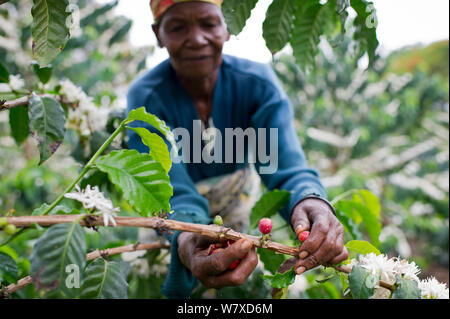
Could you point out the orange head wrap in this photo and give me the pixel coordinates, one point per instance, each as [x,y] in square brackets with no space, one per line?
[160,6]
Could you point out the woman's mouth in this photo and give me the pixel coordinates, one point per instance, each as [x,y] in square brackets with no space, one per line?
[200,58]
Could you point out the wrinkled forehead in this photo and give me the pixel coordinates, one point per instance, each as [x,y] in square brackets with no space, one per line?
[160,7]
[181,13]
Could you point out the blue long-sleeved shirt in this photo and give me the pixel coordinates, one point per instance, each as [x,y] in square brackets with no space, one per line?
[247,95]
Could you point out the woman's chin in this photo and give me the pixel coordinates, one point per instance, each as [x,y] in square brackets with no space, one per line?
[196,68]
[198,72]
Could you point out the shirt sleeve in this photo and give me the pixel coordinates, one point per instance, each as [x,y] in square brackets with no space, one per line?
[188,205]
[289,170]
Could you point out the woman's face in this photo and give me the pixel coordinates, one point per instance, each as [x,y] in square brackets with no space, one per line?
[194,34]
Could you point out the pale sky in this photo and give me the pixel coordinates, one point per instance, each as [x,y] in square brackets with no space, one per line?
[400,23]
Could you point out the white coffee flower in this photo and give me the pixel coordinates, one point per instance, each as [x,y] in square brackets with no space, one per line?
[388,269]
[161,267]
[92,198]
[433,289]
[85,117]
[141,267]
[108,216]
[379,265]
[130,256]
[16,82]
[300,285]
[407,270]
[72,92]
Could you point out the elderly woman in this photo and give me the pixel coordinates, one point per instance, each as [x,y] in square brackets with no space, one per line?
[200,85]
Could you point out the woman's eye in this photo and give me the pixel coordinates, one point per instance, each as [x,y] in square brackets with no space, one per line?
[176,28]
[209,25]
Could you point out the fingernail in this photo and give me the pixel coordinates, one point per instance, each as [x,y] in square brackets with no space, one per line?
[298,229]
[300,270]
[303,254]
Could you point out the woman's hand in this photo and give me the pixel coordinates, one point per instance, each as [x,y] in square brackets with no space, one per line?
[212,270]
[325,245]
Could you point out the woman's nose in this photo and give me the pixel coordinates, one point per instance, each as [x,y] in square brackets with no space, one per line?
[196,37]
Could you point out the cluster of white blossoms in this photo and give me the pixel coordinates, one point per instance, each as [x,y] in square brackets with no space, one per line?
[15,83]
[142,267]
[138,261]
[92,198]
[433,289]
[85,117]
[389,268]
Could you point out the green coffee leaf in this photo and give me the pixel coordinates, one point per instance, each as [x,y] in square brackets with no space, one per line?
[8,269]
[9,251]
[406,289]
[61,247]
[19,123]
[269,204]
[371,201]
[281,280]
[278,25]
[157,146]
[361,247]
[270,259]
[49,30]
[57,210]
[47,120]
[371,221]
[121,33]
[365,28]
[362,283]
[94,178]
[348,223]
[341,10]
[104,280]
[141,115]
[325,279]
[44,74]
[344,281]
[143,181]
[359,212]
[4,74]
[236,13]
[310,23]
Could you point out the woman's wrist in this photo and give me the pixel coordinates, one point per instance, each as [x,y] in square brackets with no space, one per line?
[307,199]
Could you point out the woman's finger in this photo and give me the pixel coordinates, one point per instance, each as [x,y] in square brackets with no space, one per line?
[340,258]
[217,263]
[338,244]
[318,257]
[237,276]
[319,232]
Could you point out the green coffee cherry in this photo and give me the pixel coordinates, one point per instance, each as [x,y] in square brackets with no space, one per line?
[10,229]
[3,222]
[218,220]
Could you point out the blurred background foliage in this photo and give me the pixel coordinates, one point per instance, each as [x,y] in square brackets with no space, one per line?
[384,129]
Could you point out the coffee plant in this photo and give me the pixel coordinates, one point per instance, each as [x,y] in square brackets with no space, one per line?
[68,247]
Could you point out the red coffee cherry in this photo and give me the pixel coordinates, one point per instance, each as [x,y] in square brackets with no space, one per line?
[234,264]
[215,248]
[265,225]
[303,235]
